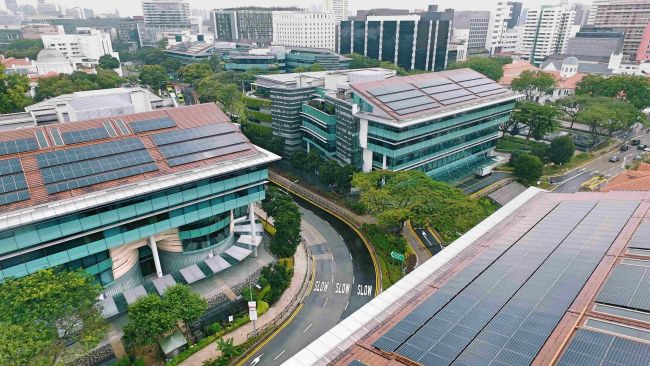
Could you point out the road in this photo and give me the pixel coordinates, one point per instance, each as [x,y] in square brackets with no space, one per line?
[429,240]
[572,181]
[475,184]
[344,281]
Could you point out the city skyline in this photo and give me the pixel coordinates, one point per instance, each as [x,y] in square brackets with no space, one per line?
[130,8]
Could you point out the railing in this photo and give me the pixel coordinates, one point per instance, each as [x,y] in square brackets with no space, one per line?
[318,114]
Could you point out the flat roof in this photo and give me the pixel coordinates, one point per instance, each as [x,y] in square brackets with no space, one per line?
[51,170]
[50,103]
[190,48]
[289,79]
[549,279]
[430,94]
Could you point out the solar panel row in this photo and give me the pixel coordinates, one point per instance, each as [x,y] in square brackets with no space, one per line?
[91,134]
[152,124]
[186,134]
[628,286]
[590,347]
[18,146]
[476,82]
[640,238]
[88,152]
[100,178]
[400,96]
[13,186]
[95,166]
[390,89]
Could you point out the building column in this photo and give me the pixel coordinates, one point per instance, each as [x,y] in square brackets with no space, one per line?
[154,252]
[232,222]
[383,162]
[251,219]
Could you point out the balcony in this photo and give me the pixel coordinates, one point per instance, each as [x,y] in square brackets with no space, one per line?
[325,115]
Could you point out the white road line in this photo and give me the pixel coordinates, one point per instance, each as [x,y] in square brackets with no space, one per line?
[346,305]
[350,255]
[306,329]
[352,279]
[332,279]
[341,237]
[278,356]
[327,298]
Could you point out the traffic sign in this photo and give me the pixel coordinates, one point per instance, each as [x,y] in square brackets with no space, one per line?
[252,310]
[397,256]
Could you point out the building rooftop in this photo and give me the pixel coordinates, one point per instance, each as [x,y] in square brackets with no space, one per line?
[290,80]
[191,48]
[548,279]
[631,180]
[430,94]
[93,97]
[47,171]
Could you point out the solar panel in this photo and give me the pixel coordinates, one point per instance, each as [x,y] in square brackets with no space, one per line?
[417,109]
[91,134]
[409,103]
[192,146]
[628,286]
[484,88]
[390,89]
[590,347]
[42,140]
[431,82]
[400,96]
[192,133]
[152,124]
[87,165]
[492,92]
[640,238]
[13,186]
[441,89]
[476,82]
[207,154]
[18,146]
[465,76]
[56,137]
[451,94]
[109,127]
[122,127]
[458,100]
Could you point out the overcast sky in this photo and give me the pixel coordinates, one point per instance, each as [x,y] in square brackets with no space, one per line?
[134,7]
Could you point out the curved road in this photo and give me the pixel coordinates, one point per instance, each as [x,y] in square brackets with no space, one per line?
[344,281]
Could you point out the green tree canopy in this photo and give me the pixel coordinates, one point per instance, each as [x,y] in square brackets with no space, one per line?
[108,62]
[49,317]
[227,95]
[286,218]
[634,89]
[78,81]
[262,136]
[171,65]
[153,75]
[540,119]
[359,62]
[13,92]
[314,67]
[186,305]
[24,48]
[528,168]
[533,84]
[562,149]
[489,66]
[573,105]
[193,73]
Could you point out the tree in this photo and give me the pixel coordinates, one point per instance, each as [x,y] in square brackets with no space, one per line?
[358,61]
[312,161]
[314,67]
[49,317]
[540,119]
[528,167]
[216,63]
[343,178]
[78,81]
[572,106]
[490,67]
[286,218]
[148,320]
[262,136]
[562,150]
[153,75]
[533,84]
[193,73]
[327,171]
[171,65]
[228,350]
[595,115]
[24,48]
[185,305]
[278,278]
[13,90]
[106,79]
[109,62]
[634,89]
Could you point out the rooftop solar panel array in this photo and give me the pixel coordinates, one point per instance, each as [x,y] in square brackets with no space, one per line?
[194,144]
[84,166]
[451,89]
[18,146]
[91,134]
[152,124]
[13,186]
[628,286]
[641,238]
[588,348]
[502,307]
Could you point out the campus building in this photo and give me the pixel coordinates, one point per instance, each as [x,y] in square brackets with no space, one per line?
[283,59]
[141,201]
[630,16]
[445,124]
[547,31]
[190,52]
[304,29]
[246,24]
[548,279]
[412,41]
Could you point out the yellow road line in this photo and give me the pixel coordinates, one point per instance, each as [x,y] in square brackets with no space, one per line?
[410,228]
[313,276]
[363,238]
[259,346]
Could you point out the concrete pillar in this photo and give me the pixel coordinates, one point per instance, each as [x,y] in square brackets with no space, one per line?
[251,218]
[383,162]
[154,252]
[232,222]
[308,147]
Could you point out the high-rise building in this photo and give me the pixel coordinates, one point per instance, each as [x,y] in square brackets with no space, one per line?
[503,16]
[164,16]
[129,30]
[477,23]
[630,16]
[80,13]
[304,29]
[48,9]
[595,42]
[582,13]
[594,9]
[337,7]
[413,41]
[547,31]
[644,46]
[249,24]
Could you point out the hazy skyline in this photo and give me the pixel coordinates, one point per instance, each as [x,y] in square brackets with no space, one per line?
[134,7]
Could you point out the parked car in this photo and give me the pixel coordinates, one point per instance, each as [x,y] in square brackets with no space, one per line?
[635,142]
[638,157]
[614,158]
[625,147]
[641,146]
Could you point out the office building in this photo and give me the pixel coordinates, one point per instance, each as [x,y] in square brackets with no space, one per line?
[83,50]
[337,7]
[630,16]
[284,59]
[129,30]
[476,22]
[190,52]
[582,13]
[548,279]
[52,62]
[48,9]
[594,10]
[412,41]
[458,45]
[80,13]
[8,34]
[249,24]
[504,15]
[444,124]
[595,42]
[163,16]
[644,46]
[304,29]
[35,31]
[149,199]
[547,31]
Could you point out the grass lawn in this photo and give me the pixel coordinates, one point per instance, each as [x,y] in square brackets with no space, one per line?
[576,161]
[511,143]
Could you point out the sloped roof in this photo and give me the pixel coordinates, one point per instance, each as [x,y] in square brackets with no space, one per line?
[631,180]
[514,69]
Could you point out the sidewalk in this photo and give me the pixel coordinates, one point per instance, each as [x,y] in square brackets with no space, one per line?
[275,313]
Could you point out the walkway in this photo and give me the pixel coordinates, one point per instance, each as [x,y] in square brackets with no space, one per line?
[275,315]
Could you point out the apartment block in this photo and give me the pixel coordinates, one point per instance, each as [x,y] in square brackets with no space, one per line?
[304,29]
[547,31]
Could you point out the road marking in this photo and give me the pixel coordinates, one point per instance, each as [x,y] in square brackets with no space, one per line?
[341,237]
[346,305]
[350,255]
[332,281]
[257,360]
[309,326]
[278,356]
[327,298]
[352,279]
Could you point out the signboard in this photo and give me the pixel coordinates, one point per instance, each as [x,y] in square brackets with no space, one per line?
[252,310]
[230,318]
[397,256]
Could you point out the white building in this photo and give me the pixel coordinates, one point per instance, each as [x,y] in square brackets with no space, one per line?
[53,61]
[594,9]
[511,40]
[459,42]
[164,16]
[500,18]
[547,31]
[82,50]
[337,7]
[304,29]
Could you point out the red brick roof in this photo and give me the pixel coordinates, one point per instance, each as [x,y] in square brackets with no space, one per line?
[10,61]
[631,180]
[185,117]
[513,70]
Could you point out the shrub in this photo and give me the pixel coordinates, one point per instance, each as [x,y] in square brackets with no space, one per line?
[262,307]
[213,328]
